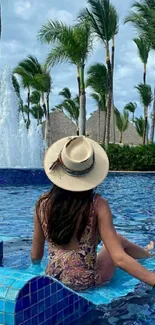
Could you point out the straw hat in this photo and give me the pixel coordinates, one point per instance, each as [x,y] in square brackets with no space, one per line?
[76,164]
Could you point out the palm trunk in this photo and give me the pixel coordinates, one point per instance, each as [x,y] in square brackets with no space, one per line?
[112,104]
[43,104]
[104,127]
[99,119]
[121,137]
[38,117]
[78,79]
[144,76]
[82,115]
[47,124]
[153,121]
[108,62]
[145,125]
[28,107]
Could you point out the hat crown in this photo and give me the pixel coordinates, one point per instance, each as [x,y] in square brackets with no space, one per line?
[78,154]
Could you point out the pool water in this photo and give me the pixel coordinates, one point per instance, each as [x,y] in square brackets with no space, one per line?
[132,201]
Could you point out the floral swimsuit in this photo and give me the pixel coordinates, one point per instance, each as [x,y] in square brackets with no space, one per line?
[76,268]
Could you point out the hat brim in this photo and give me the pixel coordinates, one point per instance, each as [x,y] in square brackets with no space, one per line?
[62,179]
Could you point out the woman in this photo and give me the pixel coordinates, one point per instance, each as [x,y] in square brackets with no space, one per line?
[73,220]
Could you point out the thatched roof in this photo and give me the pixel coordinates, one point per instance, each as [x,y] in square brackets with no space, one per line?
[130,135]
[62,126]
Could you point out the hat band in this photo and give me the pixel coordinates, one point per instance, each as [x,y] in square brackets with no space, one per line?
[69,171]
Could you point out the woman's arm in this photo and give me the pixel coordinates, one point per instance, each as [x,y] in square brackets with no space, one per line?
[113,245]
[38,243]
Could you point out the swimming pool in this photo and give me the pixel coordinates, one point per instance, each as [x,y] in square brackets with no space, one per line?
[131,197]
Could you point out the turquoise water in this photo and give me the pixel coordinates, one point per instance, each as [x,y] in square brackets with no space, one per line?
[132,200]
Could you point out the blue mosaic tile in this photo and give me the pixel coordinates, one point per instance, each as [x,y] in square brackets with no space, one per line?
[60,316]
[9,307]
[26,302]
[3,291]
[27,277]
[33,310]
[53,288]
[17,275]
[2,305]
[40,306]
[12,294]
[54,309]
[33,285]
[47,291]
[19,317]
[40,283]
[8,319]
[1,318]
[54,319]
[6,281]
[28,322]
[18,284]
[27,314]
[47,301]
[48,312]
[66,311]
[47,281]
[19,305]
[34,298]
[41,294]
[41,317]
[34,320]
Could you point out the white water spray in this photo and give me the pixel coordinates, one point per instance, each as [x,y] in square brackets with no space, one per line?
[19,148]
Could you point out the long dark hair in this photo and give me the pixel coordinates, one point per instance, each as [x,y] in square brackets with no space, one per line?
[62,209]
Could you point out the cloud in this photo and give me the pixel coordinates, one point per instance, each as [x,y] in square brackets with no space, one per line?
[62,15]
[23,18]
[23,9]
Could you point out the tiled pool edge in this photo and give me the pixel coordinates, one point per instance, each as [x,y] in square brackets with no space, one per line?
[38,300]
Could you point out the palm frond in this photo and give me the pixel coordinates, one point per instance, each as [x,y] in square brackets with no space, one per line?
[145,93]
[131,107]
[35,97]
[98,78]
[140,126]
[103,18]
[122,120]
[143,49]
[66,93]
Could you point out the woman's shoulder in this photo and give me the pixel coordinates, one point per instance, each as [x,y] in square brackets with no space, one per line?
[100,202]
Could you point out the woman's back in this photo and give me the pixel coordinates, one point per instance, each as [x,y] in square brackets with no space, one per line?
[73,263]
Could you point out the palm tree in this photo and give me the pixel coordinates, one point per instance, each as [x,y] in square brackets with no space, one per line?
[131,107]
[35,76]
[101,107]
[17,91]
[70,106]
[146,98]
[122,122]
[143,50]
[140,125]
[103,19]
[142,16]
[153,121]
[71,44]
[98,81]
[36,110]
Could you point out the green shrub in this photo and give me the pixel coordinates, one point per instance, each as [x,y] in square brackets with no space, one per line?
[138,158]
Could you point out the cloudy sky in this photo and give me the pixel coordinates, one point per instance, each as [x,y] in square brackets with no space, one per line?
[21,20]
